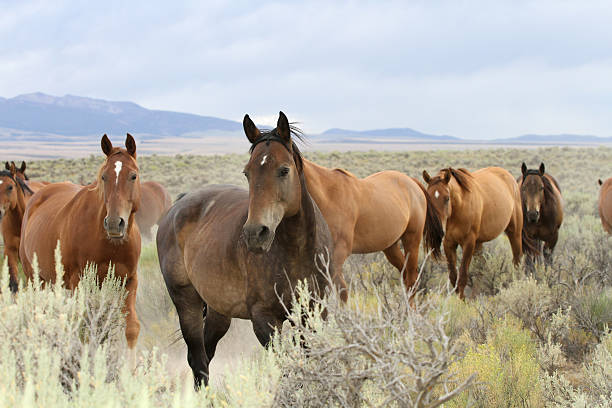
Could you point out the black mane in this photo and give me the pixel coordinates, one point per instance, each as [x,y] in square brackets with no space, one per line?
[268,136]
[24,187]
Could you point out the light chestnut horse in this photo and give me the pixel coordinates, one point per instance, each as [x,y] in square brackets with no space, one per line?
[94,224]
[605,204]
[238,253]
[14,193]
[542,205]
[374,214]
[475,208]
[154,202]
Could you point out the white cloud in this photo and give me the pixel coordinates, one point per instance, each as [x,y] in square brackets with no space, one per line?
[472,69]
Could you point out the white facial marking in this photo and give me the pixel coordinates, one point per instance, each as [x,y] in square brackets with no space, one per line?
[1,181]
[118,165]
[436,194]
[263,161]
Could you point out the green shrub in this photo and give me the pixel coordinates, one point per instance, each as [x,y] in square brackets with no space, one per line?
[507,368]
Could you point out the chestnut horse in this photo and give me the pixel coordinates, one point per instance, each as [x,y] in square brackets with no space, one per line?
[34,185]
[375,214]
[475,208]
[542,206]
[14,194]
[605,204]
[235,252]
[154,202]
[94,224]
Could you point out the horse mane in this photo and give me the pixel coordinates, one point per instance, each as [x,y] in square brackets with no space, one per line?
[296,133]
[22,185]
[463,177]
[345,172]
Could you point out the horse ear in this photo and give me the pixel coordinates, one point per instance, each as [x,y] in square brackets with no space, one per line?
[282,127]
[523,168]
[426,176]
[130,145]
[447,175]
[106,144]
[23,167]
[250,130]
[7,166]
[600,182]
[542,169]
[13,169]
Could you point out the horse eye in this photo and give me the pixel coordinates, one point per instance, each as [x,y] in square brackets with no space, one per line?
[283,171]
[10,188]
[446,199]
[103,177]
[133,177]
[245,174]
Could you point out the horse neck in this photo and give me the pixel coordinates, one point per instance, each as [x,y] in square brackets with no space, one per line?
[298,232]
[458,195]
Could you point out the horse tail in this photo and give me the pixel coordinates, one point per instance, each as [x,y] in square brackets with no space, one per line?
[181,195]
[433,233]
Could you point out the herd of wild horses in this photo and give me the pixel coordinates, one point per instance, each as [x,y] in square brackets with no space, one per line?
[236,253]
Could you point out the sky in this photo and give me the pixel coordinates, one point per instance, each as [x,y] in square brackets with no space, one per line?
[472,69]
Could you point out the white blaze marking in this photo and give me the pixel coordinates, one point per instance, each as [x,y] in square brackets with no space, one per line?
[118,165]
[0,181]
[263,161]
[436,194]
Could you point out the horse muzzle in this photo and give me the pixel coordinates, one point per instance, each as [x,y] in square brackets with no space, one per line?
[115,227]
[533,216]
[258,237]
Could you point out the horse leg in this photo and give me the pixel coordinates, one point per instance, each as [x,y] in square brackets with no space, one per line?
[12,255]
[215,327]
[468,251]
[264,324]
[514,232]
[394,256]
[411,242]
[341,251]
[189,306]
[450,250]
[132,326]
[549,247]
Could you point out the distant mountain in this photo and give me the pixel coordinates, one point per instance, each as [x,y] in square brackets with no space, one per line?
[561,138]
[375,135]
[74,115]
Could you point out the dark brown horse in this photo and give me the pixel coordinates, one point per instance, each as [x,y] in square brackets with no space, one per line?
[154,202]
[94,224]
[605,204]
[542,206]
[235,252]
[378,213]
[475,208]
[20,174]
[14,194]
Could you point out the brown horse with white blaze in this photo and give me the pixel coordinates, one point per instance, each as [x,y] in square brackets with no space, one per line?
[542,205]
[235,252]
[94,224]
[377,213]
[475,208]
[14,193]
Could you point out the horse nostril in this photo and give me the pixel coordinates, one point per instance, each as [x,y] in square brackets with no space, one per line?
[121,222]
[106,222]
[263,231]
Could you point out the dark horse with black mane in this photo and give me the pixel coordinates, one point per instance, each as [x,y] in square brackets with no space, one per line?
[542,212]
[237,253]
